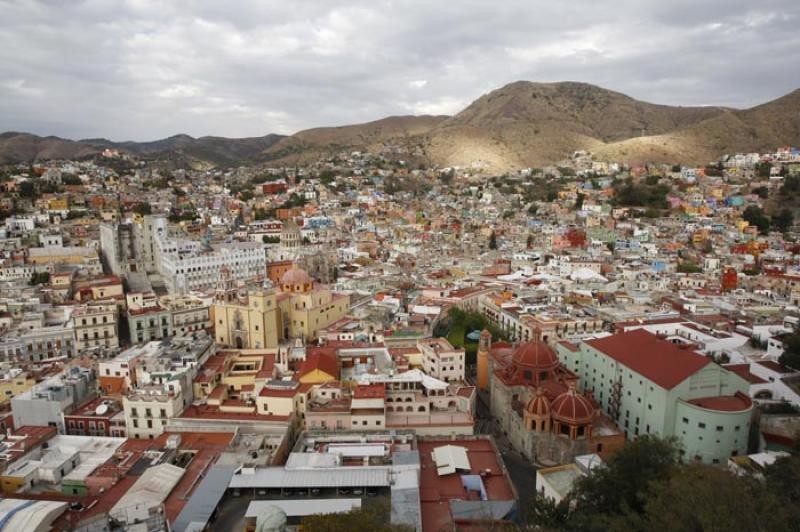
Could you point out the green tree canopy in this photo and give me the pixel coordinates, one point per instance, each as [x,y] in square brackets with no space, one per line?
[142,208]
[755,216]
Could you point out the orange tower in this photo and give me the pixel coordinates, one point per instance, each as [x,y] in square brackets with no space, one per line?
[483,359]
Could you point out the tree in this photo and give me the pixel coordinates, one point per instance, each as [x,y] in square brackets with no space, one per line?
[700,497]
[374,518]
[763,169]
[142,208]
[40,278]
[644,488]
[762,192]
[688,266]
[791,352]
[630,194]
[579,201]
[27,189]
[783,220]
[544,512]
[791,187]
[71,179]
[755,216]
[613,491]
[326,177]
[783,479]
[493,240]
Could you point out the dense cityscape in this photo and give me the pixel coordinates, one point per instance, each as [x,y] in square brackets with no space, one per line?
[399,266]
[431,347]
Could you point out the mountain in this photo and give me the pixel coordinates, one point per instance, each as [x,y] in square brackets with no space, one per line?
[760,128]
[209,151]
[23,147]
[532,124]
[522,124]
[216,151]
[527,124]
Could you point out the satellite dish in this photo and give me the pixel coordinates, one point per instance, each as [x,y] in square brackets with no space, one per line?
[101,409]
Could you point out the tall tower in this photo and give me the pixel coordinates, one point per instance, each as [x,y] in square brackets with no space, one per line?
[483,359]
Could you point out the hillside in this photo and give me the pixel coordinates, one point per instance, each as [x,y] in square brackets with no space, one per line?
[23,147]
[216,151]
[526,124]
[761,128]
[210,151]
[522,124]
[533,124]
[311,144]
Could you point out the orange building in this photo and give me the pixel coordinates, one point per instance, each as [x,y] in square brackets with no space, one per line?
[483,360]
[276,269]
[730,279]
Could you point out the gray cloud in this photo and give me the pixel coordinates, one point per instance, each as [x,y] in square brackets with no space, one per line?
[140,69]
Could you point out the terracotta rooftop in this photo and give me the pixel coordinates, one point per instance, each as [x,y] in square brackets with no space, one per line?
[213,412]
[320,360]
[658,360]
[369,391]
[743,370]
[774,366]
[724,403]
[436,491]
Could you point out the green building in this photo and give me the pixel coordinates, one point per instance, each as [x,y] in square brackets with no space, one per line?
[649,385]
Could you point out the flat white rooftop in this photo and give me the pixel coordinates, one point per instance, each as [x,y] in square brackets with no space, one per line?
[301,508]
[339,477]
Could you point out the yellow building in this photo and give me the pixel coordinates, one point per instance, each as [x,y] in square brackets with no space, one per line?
[246,318]
[307,308]
[13,385]
[58,204]
[258,318]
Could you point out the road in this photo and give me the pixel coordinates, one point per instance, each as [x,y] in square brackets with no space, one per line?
[521,470]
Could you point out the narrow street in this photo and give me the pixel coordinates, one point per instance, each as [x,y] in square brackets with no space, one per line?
[521,470]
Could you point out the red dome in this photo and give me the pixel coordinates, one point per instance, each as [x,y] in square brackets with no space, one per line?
[295,276]
[535,355]
[572,408]
[539,405]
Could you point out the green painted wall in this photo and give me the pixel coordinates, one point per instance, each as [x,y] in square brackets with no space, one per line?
[647,408]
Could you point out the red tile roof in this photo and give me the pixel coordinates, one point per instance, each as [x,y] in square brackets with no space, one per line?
[774,366]
[743,370]
[369,391]
[658,360]
[436,491]
[724,403]
[322,361]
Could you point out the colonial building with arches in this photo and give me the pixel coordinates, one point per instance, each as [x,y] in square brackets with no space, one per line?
[535,399]
[261,316]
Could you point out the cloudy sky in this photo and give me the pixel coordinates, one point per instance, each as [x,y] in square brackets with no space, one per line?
[140,69]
